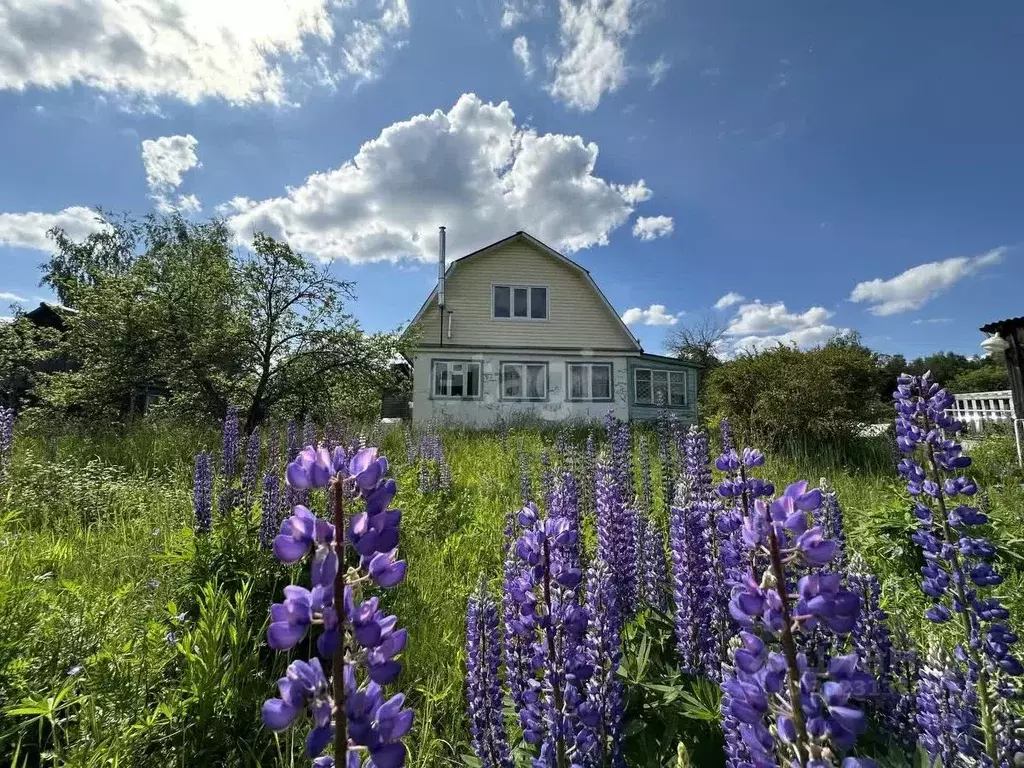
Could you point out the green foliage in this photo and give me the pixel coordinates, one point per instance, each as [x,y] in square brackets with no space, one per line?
[24,347]
[168,304]
[785,394]
[98,563]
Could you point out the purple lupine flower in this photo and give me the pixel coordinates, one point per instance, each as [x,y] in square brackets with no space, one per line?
[946,716]
[309,432]
[900,718]
[357,636]
[7,419]
[665,459]
[483,682]
[616,539]
[270,509]
[620,443]
[565,503]
[958,568]
[813,713]
[830,518]
[251,466]
[292,447]
[653,574]
[646,492]
[229,444]
[728,446]
[552,623]
[871,637]
[599,742]
[516,648]
[202,492]
[588,478]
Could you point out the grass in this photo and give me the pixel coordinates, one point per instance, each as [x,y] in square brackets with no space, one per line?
[127,641]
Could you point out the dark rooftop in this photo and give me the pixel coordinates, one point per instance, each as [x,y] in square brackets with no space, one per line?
[999,326]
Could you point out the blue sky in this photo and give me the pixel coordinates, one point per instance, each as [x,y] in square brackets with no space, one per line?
[804,166]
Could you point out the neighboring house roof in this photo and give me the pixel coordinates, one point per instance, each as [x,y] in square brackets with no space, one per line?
[1003,326]
[526,236]
[665,360]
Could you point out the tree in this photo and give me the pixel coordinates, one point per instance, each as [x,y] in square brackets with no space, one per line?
[988,376]
[24,349]
[77,266]
[699,343]
[261,329]
[783,393]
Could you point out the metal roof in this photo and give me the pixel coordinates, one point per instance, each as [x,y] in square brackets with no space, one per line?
[998,326]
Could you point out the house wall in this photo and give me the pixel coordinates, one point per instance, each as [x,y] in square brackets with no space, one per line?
[577,316]
[686,414]
[490,408]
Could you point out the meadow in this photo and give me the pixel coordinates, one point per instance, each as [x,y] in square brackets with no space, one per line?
[128,640]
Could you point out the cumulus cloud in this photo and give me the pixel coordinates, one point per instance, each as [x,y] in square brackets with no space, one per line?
[365,47]
[655,314]
[728,300]
[471,168]
[657,70]
[592,58]
[28,230]
[757,326]
[653,227]
[521,48]
[167,160]
[8,296]
[915,287]
[515,12]
[242,51]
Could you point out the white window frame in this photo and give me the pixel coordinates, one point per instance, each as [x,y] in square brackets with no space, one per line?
[448,363]
[522,366]
[529,302]
[589,379]
[668,374]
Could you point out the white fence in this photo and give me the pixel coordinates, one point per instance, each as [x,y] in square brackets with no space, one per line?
[976,409]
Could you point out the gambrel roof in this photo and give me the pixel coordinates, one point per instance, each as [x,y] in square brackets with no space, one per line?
[543,248]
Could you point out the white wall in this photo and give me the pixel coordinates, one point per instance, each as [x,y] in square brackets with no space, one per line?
[487,410]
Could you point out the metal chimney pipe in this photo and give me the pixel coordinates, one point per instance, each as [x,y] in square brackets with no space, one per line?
[440,267]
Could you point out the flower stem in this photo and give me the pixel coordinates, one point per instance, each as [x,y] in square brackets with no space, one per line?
[338,671]
[789,648]
[553,665]
[958,583]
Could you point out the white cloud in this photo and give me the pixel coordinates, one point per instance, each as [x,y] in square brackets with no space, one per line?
[184,204]
[916,286]
[592,61]
[657,70]
[515,12]
[521,48]
[728,300]
[7,296]
[471,168]
[364,48]
[653,315]
[242,51]
[28,230]
[756,318]
[167,159]
[933,320]
[757,326]
[653,227]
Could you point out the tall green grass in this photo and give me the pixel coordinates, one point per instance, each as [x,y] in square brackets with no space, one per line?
[126,641]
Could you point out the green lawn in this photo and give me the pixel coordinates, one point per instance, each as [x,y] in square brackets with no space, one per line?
[127,641]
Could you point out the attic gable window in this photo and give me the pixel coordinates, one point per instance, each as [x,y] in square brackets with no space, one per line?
[520,302]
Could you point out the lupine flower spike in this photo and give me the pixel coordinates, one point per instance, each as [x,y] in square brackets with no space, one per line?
[348,707]
[958,569]
[483,681]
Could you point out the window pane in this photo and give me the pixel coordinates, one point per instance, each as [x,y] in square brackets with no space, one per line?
[600,382]
[678,389]
[519,296]
[577,382]
[660,387]
[513,380]
[456,384]
[536,384]
[440,379]
[501,301]
[643,385]
[473,380]
[539,303]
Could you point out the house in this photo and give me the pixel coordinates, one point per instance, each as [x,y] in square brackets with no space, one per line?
[517,329]
[1005,343]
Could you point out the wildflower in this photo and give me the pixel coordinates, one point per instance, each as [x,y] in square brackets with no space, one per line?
[604,708]
[202,494]
[616,539]
[7,419]
[483,681]
[957,566]
[251,464]
[356,634]
[229,444]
